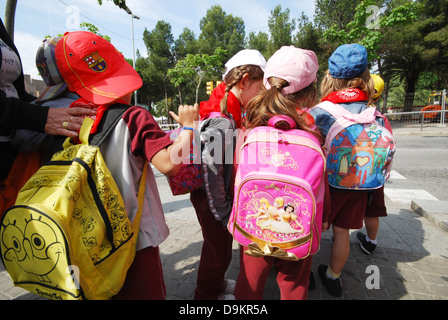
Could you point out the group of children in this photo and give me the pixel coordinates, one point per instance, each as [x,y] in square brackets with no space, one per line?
[287,86]
[95,73]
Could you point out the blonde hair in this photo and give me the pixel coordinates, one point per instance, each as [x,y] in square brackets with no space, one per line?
[234,76]
[279,201]
[272,102]
[363,82]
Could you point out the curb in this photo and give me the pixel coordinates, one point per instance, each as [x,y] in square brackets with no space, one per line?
[434,210]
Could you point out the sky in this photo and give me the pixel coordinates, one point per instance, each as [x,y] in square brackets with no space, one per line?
[35,20]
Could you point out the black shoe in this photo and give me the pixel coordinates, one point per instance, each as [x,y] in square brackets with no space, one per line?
[366,246]
[334,286]
[312,283]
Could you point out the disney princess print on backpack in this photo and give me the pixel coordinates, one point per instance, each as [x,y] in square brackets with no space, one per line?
[279,193]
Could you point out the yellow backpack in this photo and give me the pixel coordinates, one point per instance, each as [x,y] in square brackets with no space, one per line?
[68,236]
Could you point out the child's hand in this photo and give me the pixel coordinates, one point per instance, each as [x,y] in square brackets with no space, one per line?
[188,115]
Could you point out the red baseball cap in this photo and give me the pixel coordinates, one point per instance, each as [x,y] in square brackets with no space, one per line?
[92,67]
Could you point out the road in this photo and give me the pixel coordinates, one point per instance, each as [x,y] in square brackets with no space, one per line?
[420,163]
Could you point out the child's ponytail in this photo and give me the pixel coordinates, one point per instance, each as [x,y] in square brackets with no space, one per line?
[272,102]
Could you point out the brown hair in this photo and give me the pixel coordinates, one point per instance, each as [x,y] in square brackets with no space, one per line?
[234,76]
[363,82]
[272,102]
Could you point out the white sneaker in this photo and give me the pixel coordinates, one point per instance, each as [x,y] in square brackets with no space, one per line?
[229,286]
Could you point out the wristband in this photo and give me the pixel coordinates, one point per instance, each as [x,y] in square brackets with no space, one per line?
[188,128]
[194,133]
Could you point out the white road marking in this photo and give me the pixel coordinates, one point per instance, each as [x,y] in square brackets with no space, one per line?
[406,195]
[394,175]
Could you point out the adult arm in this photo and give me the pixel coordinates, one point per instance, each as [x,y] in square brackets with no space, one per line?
[17,114]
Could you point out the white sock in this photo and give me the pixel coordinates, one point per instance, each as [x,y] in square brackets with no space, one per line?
[370,240]
[331,275]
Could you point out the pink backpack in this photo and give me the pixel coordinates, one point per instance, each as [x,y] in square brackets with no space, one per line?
[190,175]
[279,192]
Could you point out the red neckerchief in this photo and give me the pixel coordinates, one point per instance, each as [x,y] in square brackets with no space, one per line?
[308,118]
[214,104]
[346,95]
[83,103]
[100,109]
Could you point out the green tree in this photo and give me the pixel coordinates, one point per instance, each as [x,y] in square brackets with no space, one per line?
[159,43]
[281,27]
[362,31]
[259,42]
[94,29]
[185,44]
[380,45]
[310,37]
[418,47]
[218,29]
[435,39]
[195,67]
[334,12]
[143,68]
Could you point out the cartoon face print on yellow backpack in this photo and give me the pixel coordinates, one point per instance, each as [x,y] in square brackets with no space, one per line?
[33,247]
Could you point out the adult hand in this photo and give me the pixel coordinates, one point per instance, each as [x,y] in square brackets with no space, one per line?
[66,121]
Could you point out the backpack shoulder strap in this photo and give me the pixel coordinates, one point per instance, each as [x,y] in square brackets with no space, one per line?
[110,118]
[214,114]
[339,112]
[336,110]
[140,198]
[217,114]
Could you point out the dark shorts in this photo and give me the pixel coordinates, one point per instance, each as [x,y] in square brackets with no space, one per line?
[347,208]
[376,206]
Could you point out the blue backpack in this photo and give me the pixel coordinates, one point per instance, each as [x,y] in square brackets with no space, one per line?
[359,151]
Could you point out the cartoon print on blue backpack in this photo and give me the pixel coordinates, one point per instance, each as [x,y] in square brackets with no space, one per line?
[358,157]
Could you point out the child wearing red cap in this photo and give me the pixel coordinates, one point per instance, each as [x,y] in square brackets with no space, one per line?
[98,72]
[289,78]
[213,202]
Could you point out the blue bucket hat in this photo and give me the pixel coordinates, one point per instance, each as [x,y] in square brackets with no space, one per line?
[348,61]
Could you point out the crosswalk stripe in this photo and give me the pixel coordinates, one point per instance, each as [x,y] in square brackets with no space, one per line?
[406,195]
[394,175]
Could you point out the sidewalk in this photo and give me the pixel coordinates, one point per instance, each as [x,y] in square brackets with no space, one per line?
[411,258]
[428,129]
